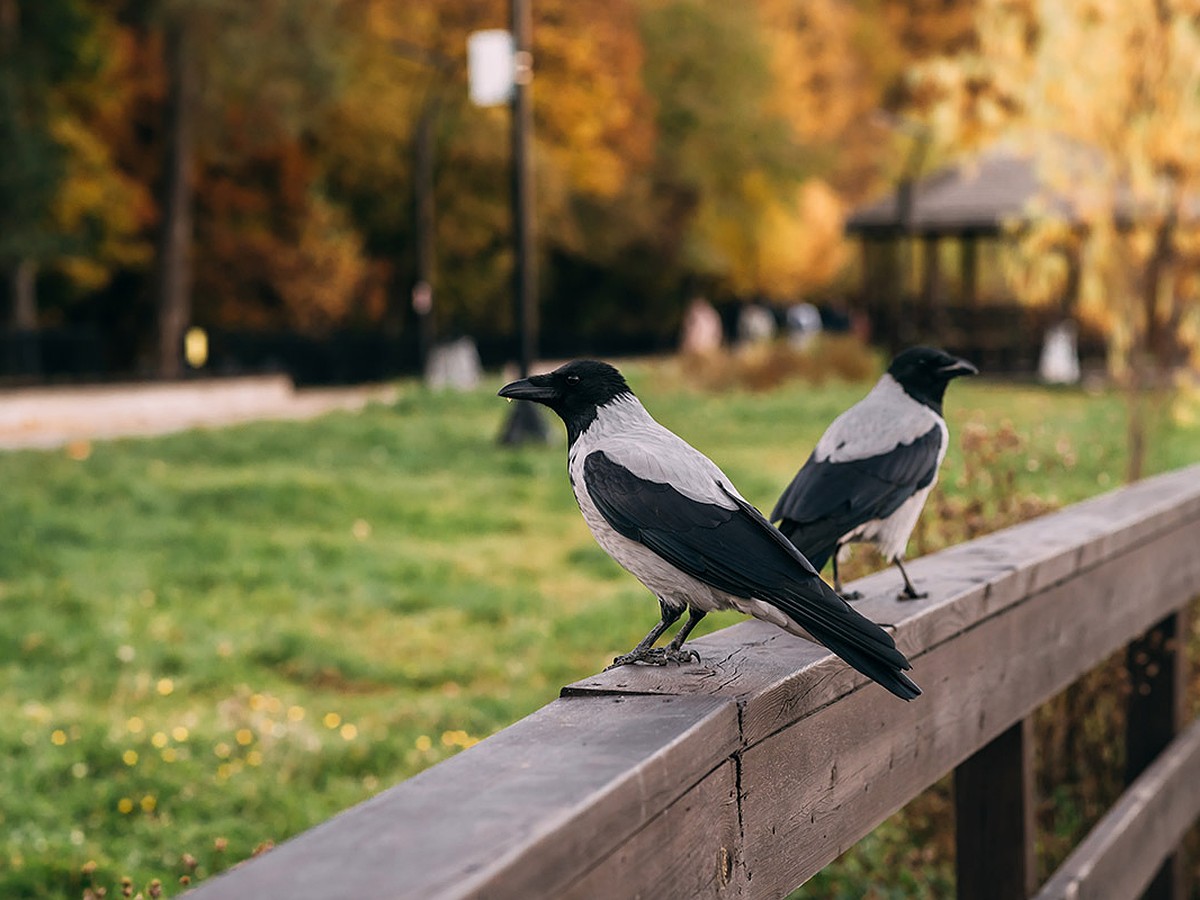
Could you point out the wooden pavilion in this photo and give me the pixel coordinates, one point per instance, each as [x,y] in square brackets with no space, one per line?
[932,256]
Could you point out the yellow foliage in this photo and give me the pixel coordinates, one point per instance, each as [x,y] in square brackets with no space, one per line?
[1106,95]
[803,247]
[319,276]
[96,197]
[593,113]
[798,243]
[818,85]
[102,213]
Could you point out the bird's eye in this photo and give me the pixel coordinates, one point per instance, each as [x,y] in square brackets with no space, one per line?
[572,379]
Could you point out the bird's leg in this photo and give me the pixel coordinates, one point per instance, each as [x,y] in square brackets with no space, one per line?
[909,592]
[837,579]
[645,651]
[674,650]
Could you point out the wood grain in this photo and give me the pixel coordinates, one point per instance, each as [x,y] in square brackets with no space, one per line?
[1121,854]
[690,849]
[514,816]
[995,833]
[854,762]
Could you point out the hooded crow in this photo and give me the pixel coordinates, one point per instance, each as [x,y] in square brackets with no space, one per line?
[665,512]
[869,475]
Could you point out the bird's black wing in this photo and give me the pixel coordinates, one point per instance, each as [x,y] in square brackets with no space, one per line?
[739,552]
[826,500]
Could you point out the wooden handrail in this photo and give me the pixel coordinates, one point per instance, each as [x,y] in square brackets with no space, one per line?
[1118,858]
[746,774]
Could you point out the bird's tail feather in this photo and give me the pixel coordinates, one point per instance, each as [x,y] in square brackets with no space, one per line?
[873,667]
[814,540]
[855,638]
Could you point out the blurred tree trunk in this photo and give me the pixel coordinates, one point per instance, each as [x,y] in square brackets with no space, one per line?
[1153,359]
[24,294]
[21,271]
[173,283]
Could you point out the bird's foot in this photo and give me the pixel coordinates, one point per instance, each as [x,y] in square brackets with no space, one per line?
[905,596]
[851,596]
[656,656]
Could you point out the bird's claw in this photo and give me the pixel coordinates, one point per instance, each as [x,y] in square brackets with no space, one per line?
[905,596]
[851,596]
[656,656]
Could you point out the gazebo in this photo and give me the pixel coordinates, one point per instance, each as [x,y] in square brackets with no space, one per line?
[931,262]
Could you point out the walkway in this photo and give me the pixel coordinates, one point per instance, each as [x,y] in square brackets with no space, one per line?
[56,416]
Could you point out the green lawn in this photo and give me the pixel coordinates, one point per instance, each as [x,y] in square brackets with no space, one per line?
[213,640]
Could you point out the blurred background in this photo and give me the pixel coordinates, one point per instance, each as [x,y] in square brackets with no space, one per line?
[309,184]
[212,640]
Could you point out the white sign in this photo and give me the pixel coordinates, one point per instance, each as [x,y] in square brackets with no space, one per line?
[490,66]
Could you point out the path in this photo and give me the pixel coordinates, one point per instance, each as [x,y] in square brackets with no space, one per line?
[56,416]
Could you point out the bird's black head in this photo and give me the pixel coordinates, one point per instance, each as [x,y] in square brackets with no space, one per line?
[924,372]
[575,391]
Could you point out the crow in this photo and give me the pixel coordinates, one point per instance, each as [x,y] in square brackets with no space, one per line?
[869,475]
[668,515]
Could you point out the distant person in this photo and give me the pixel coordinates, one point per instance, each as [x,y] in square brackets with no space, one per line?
[1059,363]
[755,324]
[803,325]
[702,331]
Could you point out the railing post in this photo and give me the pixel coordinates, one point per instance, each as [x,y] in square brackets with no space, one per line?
[1157,664]
[995,831]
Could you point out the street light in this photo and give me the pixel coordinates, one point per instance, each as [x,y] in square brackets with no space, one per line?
[525,423]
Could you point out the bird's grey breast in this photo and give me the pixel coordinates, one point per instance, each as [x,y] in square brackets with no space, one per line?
[883,420]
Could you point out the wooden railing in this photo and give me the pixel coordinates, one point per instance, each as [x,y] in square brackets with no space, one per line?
[745,775]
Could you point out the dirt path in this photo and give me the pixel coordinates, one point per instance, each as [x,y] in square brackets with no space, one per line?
[56,416]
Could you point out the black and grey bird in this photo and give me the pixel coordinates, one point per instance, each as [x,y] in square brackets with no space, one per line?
[666,513]
[869,475]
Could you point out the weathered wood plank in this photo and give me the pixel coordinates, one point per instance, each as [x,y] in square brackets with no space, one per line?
[853,763]
[516,816]
[779,679]
[1119,857]
[1157,712]
[690,849]
[994,818]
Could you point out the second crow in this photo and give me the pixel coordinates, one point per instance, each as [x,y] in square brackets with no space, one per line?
[869,475]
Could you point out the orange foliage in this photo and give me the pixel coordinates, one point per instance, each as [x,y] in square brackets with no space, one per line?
[594,115]
[308,115]
[284,257]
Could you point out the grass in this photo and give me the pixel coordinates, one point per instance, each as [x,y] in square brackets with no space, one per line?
[213,640]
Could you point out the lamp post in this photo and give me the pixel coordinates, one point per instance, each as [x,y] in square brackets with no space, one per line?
[525,423]
[524,274]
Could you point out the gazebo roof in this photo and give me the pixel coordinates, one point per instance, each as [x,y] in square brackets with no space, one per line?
[979,195]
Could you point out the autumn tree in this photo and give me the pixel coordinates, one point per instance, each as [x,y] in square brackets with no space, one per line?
[593,136]
[41,49]
[252,165]
[721,155]
[1106,96]
[237,83]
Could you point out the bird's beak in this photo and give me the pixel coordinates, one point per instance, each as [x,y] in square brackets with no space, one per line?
[537,388]
[957,368]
